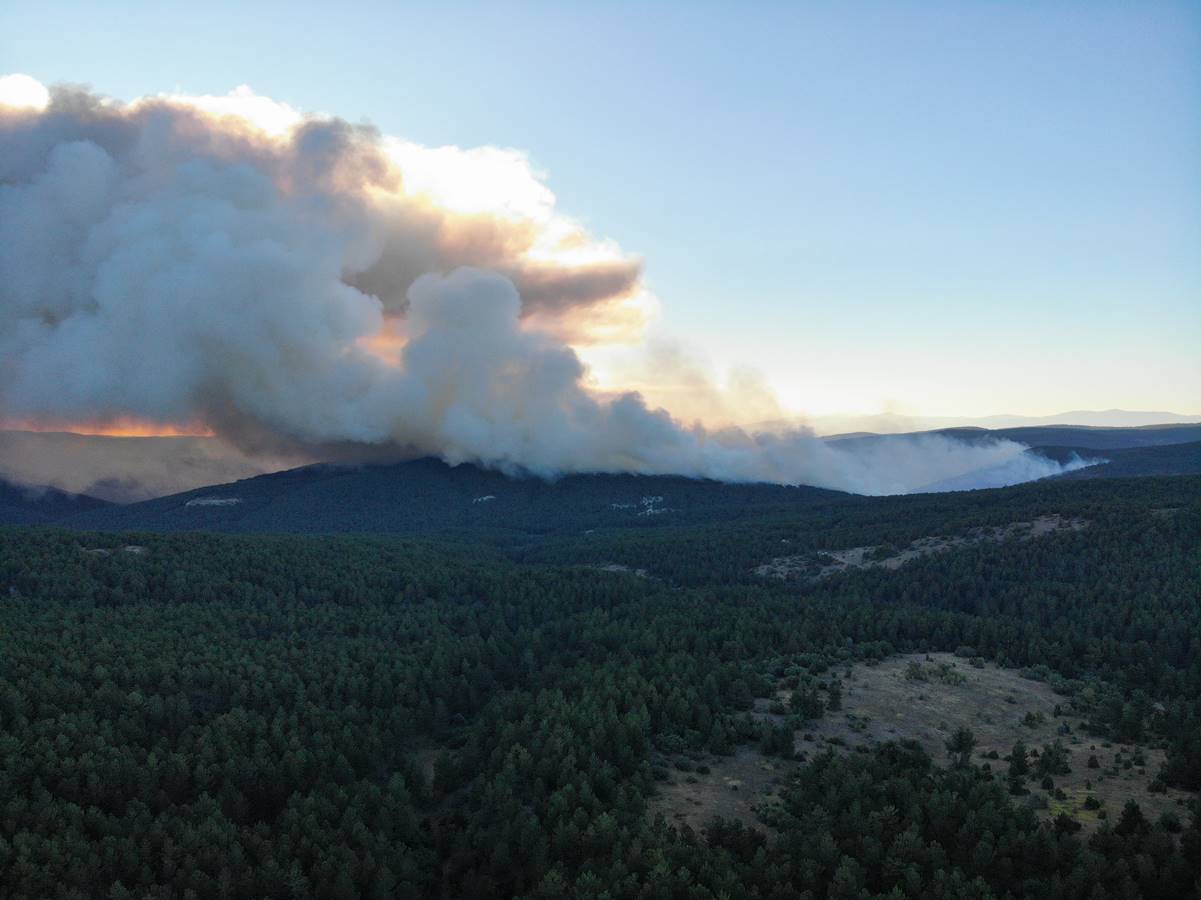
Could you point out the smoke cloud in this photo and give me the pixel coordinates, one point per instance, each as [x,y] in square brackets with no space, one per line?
[305,286]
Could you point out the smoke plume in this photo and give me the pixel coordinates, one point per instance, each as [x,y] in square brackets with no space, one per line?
[304,286]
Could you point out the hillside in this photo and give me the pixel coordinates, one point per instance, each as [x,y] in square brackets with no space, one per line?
[134,469]
[429,496]
[379,716]
[708,553]
[892,423]
[1084,437]
[1133,462]
[25,505]
[1095,438]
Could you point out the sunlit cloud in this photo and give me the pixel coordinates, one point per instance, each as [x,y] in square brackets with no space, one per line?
[19,91]
[486,206]
[269,116]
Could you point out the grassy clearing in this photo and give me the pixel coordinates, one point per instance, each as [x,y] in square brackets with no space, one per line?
[925,698]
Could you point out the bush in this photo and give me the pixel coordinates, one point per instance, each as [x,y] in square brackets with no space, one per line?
[1065,824]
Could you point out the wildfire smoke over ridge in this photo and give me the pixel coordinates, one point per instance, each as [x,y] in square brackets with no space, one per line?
[299,285]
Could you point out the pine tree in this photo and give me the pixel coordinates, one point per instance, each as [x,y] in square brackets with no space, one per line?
[960,746]
[834,696]
[1019,768]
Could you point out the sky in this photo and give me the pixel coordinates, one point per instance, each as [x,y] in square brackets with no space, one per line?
[929,209]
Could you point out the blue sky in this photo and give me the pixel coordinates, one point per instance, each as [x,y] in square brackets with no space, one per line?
[935,208]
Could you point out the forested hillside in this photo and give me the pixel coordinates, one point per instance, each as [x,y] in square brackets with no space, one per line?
[254,716]
[1171,459]
[428,496]
[1085,437]
[34,505]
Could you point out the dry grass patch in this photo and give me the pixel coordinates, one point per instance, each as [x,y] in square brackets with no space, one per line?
[735,787]
[822,564]
[925,698]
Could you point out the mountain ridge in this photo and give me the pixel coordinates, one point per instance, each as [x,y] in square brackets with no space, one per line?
[22,504]
[429,496]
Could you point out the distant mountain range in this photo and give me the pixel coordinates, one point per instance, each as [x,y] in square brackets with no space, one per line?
[889,423]
[1085,437]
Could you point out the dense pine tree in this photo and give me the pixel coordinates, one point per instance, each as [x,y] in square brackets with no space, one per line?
[323,717]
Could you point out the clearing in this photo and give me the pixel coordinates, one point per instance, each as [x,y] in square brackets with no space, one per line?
[734,787]
[823,563]
[925,698]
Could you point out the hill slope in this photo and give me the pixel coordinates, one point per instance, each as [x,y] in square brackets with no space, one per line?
[1093,438]
[24,505]
[342,713]
[427,495]
[1132,462]
[1079,436]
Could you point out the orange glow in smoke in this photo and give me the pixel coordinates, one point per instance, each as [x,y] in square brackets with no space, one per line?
[121,426]
[388,343]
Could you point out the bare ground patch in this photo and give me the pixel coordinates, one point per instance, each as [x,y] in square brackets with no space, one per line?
[735,787]
[883,702]
[823,563]
[620,569]
[134,549]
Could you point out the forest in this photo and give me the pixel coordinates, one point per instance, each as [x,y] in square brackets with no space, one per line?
[480,713]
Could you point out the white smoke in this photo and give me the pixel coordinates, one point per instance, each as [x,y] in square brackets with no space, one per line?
[303,292]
